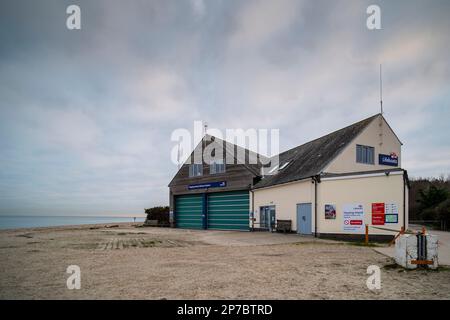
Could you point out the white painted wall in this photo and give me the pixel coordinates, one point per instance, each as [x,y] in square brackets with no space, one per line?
[346,190]
[365,191]
[377,134]
[285,199]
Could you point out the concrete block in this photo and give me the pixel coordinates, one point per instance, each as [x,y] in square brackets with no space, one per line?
[406,250]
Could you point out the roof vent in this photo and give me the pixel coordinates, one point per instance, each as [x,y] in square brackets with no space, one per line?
[284,165]
[273,169]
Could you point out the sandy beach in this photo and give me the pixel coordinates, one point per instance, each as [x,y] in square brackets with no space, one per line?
[126,262]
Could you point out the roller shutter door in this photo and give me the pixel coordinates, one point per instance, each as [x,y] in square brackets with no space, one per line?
[188,211]
[228,210]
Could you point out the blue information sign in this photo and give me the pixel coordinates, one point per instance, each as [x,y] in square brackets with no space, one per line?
[217,184]
[388,159]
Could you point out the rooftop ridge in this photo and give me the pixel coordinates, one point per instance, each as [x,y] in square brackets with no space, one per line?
[333,132]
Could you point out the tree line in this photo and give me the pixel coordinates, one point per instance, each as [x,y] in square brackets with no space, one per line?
[429,200]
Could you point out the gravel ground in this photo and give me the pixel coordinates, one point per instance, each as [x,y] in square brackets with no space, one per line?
[126,262]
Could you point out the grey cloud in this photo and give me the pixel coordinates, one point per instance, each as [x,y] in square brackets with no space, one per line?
[86,116]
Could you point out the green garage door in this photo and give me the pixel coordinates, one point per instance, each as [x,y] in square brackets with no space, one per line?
[188,211]
[228,210]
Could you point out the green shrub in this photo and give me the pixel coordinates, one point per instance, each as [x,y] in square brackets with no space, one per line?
[158,213]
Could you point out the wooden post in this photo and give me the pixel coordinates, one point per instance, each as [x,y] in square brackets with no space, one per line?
[367,235]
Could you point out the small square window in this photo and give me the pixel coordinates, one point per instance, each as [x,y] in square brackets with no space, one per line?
[195,170]
[217,166]
[365,154]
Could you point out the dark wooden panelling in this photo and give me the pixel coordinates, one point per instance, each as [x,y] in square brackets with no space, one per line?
[237,177]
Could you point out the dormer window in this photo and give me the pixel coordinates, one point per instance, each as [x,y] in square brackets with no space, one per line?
[217,166]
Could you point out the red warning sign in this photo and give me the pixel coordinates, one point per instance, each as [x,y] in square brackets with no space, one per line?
[378,207]
[378,213]
[377,219]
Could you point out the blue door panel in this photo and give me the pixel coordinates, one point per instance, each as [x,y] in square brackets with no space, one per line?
[304,221]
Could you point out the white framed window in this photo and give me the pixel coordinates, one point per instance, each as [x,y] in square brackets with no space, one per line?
[217,166]
[195,170]
[365,154]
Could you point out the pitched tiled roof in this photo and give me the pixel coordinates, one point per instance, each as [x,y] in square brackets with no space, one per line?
[311,158]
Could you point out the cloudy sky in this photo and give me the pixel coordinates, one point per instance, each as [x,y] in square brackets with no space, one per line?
[86,115]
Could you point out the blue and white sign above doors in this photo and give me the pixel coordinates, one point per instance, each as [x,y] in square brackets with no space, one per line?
[388,159]
[217,184]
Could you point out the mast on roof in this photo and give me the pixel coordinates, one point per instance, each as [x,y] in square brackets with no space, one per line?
[381,90]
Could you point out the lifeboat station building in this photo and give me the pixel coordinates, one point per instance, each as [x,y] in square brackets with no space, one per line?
[331,187]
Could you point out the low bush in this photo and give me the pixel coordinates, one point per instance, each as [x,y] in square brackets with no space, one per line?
[161,214]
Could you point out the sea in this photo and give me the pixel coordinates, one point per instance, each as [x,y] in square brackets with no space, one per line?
[14,222]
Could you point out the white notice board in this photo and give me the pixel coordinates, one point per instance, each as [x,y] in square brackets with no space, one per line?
[390,208]
[353,218]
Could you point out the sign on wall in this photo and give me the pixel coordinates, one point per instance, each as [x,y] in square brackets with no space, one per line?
[378,219]
[378,207]
[391,213]
[218,184]
[391,218]
[330,211]
[384,213]
[391,208]
[388,159]
[353,218]
[378,213]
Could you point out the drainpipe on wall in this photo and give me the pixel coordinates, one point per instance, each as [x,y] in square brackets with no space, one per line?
[253,210]
[171,210]
[316,180]
[404,199]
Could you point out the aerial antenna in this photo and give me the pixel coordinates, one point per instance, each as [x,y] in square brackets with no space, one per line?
[381,90]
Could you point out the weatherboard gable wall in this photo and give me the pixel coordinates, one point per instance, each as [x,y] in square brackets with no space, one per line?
[237,176]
